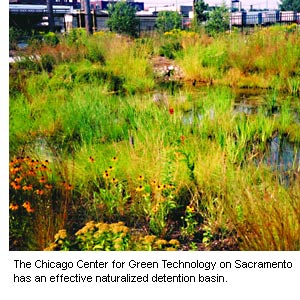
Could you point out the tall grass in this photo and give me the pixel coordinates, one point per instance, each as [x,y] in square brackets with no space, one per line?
[257,60]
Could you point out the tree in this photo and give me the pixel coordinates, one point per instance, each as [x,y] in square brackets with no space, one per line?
[290,5]
[122,18]
[168,20]
[218,20]
[200,14]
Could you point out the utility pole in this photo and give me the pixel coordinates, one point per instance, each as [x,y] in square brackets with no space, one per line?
[50,15]
[88,17]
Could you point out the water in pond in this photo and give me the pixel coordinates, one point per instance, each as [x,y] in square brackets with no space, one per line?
[22,44]
[42,149]
[281,154]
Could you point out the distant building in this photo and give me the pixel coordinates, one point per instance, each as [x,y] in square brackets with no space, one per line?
[236,5]
[103,5]
[54,2]
[185,10]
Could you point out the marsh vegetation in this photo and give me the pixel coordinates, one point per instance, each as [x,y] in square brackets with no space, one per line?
[97,164]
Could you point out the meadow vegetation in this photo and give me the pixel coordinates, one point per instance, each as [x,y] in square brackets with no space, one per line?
[96,164]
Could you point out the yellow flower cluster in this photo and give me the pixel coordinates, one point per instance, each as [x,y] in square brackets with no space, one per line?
[152,242]
[100,228]
[108,173]
[190,209]
[61,235]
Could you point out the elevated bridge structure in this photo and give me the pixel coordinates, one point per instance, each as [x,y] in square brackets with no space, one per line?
[65,17]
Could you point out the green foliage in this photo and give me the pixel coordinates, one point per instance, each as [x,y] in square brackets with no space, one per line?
[95,53]
[51,39]
[167,21]
[200,11]
[207,236]
[170,49]
[30,64]
[190,222]
[68,75]
[76,36]
[218,21]
[122,19]
[48,62]
[290,5]
[14,35]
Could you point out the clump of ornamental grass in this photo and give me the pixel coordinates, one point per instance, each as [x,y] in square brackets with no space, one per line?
[128,59]
[245,60]
[265,213]
[249,203]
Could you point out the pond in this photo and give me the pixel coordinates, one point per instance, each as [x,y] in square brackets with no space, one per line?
[281,154]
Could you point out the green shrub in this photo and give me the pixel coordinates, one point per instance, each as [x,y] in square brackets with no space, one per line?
[51,39]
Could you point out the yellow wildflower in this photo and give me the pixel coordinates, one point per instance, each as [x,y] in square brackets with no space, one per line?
[153,182]
[105,174]
[114,180]
[190,209]
[61,235]
[91,159]
[159,187]
[140,188]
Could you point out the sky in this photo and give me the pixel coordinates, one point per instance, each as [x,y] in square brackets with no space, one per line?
[257,4]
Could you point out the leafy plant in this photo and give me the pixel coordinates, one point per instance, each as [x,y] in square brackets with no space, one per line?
[109,237]
[122,18]
[190,222]
[218,20]
[167,20]
[51,39]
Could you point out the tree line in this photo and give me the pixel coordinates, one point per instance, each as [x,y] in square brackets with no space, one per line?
[122,17]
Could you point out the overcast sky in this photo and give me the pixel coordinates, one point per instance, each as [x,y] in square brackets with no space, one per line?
[257,4]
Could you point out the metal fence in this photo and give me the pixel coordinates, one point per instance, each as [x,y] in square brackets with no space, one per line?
[263,18]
